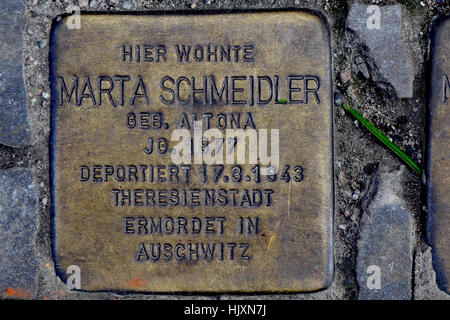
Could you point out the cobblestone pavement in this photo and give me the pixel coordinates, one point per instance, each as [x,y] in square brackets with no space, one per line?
[380,213]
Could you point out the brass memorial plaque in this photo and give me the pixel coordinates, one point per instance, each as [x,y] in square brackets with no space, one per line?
[193,152]
[438,193]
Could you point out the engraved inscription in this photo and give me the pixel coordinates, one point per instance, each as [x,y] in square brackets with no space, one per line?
[234,90]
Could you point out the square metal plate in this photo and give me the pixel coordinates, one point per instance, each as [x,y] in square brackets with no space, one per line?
[132,218]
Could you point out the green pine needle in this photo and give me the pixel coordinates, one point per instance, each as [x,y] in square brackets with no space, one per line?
[282,101]
[380,136]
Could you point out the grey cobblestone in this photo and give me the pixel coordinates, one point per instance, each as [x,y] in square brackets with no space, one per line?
[385,45]
[386,242]
[14,130]
[18,225]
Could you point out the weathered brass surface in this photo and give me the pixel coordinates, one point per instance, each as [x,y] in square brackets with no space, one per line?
[438,194]
[275,235]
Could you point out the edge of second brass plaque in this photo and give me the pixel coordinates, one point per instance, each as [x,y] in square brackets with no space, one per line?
[437,207]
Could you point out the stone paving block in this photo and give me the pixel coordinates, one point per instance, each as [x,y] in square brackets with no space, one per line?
[14,130]
[386,242]
[18,223]
[425,287]
[386,45]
